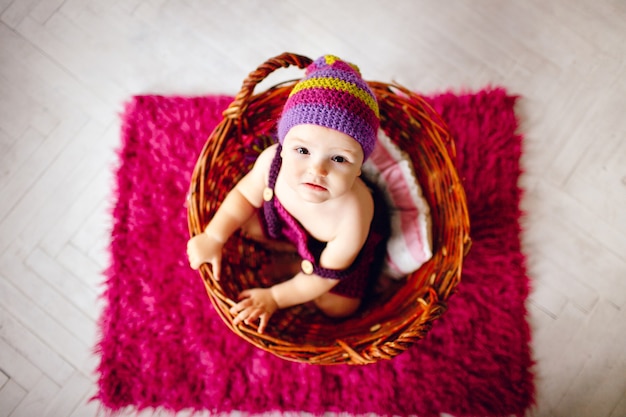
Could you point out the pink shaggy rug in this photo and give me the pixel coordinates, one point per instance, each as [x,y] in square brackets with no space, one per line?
[163,346]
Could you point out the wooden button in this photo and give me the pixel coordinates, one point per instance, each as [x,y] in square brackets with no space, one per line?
[307,267]
[268,193]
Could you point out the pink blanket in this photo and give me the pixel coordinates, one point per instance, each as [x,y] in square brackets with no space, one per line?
[163,346]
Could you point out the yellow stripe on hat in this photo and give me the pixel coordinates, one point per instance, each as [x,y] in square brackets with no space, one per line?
[339,85]
[330,59]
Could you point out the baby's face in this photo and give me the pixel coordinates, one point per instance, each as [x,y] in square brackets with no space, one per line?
[320,163]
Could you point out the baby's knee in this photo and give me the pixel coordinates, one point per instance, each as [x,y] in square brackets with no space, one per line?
[337,306]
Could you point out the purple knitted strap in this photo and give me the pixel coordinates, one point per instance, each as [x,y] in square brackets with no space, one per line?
[294,231]
[271,217]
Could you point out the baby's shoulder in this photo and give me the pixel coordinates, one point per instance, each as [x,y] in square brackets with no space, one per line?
[365,200]
[358,206]
[363,195]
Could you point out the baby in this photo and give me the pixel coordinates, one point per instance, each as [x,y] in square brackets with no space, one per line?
[307,190]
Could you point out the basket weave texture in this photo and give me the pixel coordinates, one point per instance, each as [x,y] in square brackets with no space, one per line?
[395,319]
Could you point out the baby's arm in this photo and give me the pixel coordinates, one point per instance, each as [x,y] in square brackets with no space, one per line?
[236,209]
[340,253]
[261,303]
[207,247]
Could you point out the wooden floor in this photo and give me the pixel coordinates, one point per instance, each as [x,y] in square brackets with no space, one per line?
[67,66]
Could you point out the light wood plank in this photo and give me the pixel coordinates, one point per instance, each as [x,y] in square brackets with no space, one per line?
[34,69]
[553,373]
[82,180]
[580,257]
[6,143]
[14,157]
[69,397]
[21,206]
[594,360]
[22,371]
[620,408]
[16,12]
[51,332]
[36,401]
[3,379]
[54,302]
[45,9]
[87,408]
[87,188]
[81,265]
[548,298]
[553,288]
[609,393]
[64,281]
[4,4]
[33,349]
[28,74]
[13,122]
[11,394]
[59,37]
[94,234]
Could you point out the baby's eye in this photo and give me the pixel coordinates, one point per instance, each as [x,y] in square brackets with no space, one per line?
[302,151]
[339,158]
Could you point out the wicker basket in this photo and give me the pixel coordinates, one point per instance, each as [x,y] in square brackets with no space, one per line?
[398,317]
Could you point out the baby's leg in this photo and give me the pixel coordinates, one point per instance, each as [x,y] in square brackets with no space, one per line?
[253,229]
[337,306]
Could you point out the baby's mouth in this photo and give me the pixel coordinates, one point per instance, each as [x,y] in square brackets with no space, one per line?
[315,187]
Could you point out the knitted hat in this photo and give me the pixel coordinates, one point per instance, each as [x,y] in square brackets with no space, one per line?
[332,94]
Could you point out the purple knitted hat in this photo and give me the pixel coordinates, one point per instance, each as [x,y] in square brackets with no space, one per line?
[332,94]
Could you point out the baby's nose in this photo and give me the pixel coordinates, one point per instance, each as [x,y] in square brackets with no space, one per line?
[318,168]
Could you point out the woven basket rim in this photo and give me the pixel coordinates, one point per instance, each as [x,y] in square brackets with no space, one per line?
[377,334]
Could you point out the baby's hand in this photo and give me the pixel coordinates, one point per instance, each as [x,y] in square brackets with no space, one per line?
[257,303]
[203,248]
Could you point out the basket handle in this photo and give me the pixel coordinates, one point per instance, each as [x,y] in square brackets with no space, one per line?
[284,60]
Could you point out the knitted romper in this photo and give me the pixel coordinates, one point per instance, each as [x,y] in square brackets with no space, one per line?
[354,282]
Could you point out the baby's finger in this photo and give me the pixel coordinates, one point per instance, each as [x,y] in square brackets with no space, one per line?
[240,307]
[217,268]
[263,323]
[193,263]
[241,316]
[253,316]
